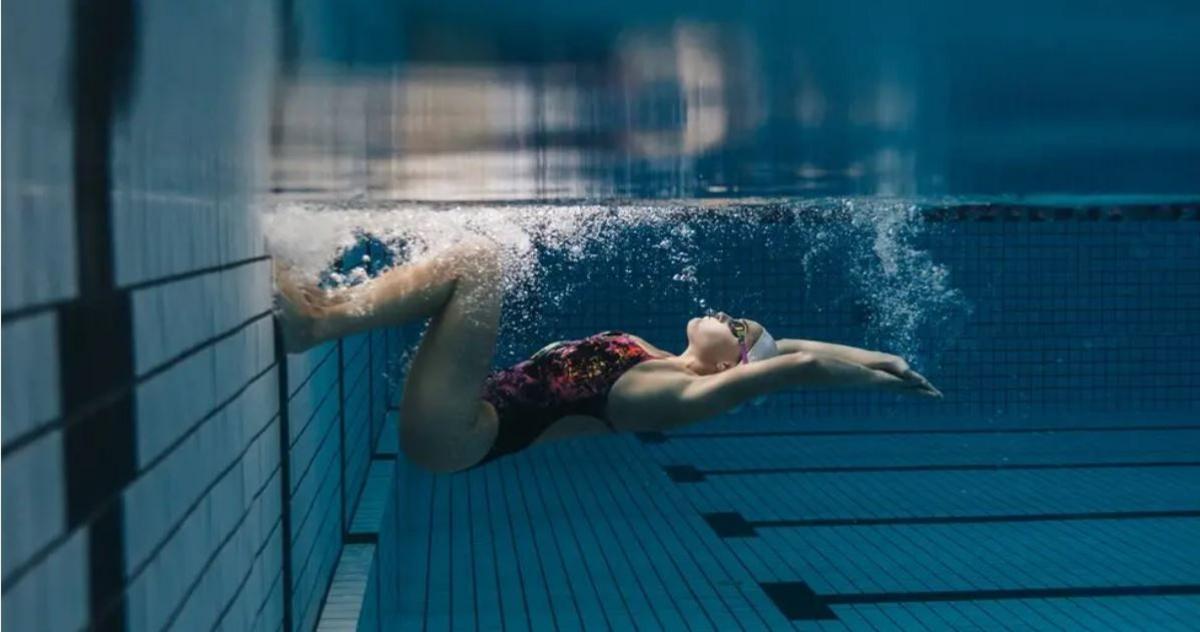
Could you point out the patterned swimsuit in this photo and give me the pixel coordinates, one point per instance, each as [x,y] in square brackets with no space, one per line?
[571,377]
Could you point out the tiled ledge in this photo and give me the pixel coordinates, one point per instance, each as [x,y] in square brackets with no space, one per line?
[351,602]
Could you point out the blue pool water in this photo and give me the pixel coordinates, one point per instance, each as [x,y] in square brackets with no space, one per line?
[1004,194]
[1056,486]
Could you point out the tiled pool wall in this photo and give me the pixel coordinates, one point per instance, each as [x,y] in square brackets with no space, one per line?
[1049,316]
[163,466]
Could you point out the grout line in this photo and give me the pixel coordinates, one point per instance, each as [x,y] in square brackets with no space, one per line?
[660,437]
[734,525]
[690,474]
[181,276]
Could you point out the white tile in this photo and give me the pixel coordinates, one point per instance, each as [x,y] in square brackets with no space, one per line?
[271,616]
[301,365]
[35,496]
[183,207]
[163,494]
[171,402]
[54,595]
[38,240]
[169,319]
[148,596]
[255,463]
[30,369]
[142,501]
[236,359]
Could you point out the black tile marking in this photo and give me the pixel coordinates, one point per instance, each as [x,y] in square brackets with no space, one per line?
[730,524]
[659,437]
[651,437]
[106,568]
[361,537]
[734,525]
[95,338]
[98,453]
[797,601]
[689,473]
[684,473]
[95,331]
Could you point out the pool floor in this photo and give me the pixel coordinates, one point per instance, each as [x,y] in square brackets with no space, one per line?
[759,527]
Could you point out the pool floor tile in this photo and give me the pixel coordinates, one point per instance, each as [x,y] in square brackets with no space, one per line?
[666,533]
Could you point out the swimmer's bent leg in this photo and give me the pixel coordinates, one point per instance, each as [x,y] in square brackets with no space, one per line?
[444,426]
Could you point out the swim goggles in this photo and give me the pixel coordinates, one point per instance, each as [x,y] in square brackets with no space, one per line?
[739,328]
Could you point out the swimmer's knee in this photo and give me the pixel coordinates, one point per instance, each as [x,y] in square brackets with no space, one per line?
[442,444]
[479,248]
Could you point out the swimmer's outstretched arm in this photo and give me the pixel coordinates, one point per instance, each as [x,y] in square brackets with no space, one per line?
[871,359]
[704,397]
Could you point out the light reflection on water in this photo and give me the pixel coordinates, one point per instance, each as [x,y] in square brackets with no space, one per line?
[452,102]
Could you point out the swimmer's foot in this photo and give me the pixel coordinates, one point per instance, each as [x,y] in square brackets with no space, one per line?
[298,308]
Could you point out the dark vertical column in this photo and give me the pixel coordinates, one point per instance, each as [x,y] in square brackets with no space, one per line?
[373,251]
[95,330]
[285,477]
[287,56]
[341,386]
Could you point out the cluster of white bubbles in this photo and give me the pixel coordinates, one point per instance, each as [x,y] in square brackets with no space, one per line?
[871,244]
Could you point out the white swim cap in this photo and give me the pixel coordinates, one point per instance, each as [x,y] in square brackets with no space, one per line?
[763,348]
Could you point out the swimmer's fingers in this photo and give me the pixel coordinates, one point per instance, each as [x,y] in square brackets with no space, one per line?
[920,383]
[907,385]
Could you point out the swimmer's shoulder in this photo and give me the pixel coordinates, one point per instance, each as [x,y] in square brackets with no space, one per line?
[658,354]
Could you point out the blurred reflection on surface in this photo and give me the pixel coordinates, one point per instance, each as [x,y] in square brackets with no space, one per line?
[462,101]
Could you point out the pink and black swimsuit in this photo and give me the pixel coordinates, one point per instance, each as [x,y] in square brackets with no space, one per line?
[570,377]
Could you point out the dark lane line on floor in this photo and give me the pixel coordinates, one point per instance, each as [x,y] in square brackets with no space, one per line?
[690,474]
[798,602]
[732,524]
[661,437]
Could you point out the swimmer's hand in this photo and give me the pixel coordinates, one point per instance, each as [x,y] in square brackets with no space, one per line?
[299,306]
[909,380]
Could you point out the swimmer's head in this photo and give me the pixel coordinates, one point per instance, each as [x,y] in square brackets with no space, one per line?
[719,342]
